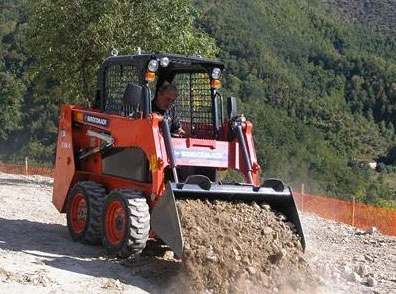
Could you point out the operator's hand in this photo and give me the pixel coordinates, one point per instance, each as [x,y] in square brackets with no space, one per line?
[181,132]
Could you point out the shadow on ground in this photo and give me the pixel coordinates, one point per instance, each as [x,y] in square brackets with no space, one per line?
[52,244]
[19,181]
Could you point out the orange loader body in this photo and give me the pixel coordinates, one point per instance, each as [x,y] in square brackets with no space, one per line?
[144,133]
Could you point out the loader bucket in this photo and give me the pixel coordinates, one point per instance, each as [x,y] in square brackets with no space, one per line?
[166,223]
[165,220]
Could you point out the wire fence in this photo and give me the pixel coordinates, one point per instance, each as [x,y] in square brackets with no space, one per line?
[349,212]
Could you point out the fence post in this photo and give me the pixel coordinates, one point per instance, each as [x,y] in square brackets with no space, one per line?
[353,210]
[26,166]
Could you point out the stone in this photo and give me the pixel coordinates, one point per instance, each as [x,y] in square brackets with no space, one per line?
[369,258]
[281,217]
[371,230]
[362,270]
[371,282]
[354,277]
[290,225]
[252,270]
[265,207]
[267,231]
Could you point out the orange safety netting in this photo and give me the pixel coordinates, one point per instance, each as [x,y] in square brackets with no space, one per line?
[27,170]
[355,214]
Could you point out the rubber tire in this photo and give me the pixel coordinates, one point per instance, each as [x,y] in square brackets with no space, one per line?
[92,195]
[125,223]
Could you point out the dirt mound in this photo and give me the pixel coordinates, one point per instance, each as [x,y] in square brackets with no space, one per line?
[239,248]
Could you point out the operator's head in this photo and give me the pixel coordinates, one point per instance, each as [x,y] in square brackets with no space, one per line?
[166,96]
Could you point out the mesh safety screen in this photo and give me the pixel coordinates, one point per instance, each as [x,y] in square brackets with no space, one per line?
[194,104]
[117,79]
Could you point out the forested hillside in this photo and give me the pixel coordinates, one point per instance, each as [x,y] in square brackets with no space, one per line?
[321,91]
[378,17]
[316,77]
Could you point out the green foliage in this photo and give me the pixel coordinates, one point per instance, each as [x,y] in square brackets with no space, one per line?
[294,57]
[11,99]
[319,91]
[13,65]
[289,149]
[383,168]
[69,39]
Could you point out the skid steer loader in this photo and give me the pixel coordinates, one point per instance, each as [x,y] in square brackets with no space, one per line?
[119,168]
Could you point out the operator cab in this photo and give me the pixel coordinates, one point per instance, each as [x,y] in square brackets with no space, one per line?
[129,83]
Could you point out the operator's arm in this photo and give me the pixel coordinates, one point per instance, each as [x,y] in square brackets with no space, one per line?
[175,121]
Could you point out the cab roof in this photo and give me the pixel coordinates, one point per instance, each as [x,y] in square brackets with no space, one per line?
[175,60]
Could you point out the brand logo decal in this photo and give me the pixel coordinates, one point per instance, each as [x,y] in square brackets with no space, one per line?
[208,155]
[96,120]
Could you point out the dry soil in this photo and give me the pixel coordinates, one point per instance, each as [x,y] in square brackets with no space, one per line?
[229,248]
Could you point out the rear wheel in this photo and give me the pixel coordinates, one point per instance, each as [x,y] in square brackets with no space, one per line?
[126,223]
[84,210]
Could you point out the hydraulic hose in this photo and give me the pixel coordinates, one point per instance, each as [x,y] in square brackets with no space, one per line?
[246,159]
[169,148]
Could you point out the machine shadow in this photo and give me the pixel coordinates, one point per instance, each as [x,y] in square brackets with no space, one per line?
[19,181]
[53,245]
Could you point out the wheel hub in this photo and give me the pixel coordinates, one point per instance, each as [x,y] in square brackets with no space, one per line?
[119,223]
[78,213]
[82,212]
[115,222]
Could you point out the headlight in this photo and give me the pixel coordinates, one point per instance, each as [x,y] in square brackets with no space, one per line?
[216,73]
[164,61]
[153,65]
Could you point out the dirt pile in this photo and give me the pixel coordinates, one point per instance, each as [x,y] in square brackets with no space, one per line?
[240,248]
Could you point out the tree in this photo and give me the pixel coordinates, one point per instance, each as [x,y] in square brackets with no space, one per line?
[11,99]
[69,39]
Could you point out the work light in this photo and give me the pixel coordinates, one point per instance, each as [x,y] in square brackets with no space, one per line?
[216,73]
[153,65]
[164,61]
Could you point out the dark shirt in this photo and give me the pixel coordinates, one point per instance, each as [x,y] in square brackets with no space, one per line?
[171,114]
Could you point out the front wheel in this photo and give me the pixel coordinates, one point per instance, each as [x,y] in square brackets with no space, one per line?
[84,210]
[125,223]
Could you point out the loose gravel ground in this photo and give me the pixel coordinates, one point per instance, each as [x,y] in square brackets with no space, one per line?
[229,249]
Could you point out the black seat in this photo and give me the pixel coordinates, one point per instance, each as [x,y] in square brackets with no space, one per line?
[132,99]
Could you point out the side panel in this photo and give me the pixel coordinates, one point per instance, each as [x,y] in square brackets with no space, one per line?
[142,169]
[64,164]
[129,163]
